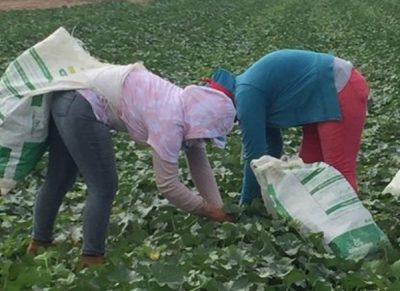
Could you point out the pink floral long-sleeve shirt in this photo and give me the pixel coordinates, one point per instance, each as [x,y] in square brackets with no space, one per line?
[168,118]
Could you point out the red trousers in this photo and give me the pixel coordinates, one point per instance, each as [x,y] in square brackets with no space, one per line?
[337,142]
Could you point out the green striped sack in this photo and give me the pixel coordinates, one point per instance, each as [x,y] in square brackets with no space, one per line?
[321,200]
[23,120]
[25,91]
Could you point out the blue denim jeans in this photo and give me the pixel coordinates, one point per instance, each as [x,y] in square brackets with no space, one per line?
[78,143]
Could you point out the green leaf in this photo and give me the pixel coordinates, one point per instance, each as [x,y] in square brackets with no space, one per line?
[395,267]
[294,276]
[166,273]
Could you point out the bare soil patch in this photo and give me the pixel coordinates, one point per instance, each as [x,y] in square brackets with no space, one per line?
[42,4]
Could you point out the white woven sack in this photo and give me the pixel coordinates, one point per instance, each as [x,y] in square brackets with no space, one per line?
[50,65]
[321,200]
[394,186]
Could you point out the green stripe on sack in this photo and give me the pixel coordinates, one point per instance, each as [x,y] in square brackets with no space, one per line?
[359,242]
[280,209]
[311,175]
[10,88]
[343,204]
[326,183]
[41,64]
[23,75]
[30,155]
[4,158]
[1,116]
[37,100]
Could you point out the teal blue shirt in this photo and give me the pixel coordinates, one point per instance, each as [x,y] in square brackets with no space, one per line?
[282,89]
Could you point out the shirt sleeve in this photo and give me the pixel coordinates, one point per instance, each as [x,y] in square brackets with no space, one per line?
[202,173]
[257,138]
[168,183]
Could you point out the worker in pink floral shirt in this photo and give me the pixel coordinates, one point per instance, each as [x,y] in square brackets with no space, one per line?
[154,112]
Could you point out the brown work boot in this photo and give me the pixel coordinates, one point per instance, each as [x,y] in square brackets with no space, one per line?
[91,260]
[34,246]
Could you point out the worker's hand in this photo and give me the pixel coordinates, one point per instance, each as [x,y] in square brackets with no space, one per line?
[216,213]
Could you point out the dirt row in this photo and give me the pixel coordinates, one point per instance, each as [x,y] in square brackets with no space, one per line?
[42,4]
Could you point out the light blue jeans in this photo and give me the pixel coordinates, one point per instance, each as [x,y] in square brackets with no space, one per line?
[78,142]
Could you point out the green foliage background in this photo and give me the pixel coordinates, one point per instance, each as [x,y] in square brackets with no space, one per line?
[153,246]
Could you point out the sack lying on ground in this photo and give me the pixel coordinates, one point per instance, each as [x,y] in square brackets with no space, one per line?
[394,186]
[321,200]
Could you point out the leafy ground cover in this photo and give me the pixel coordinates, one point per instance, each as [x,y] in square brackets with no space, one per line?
[153,246]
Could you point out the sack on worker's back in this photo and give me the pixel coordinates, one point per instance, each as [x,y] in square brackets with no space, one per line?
[50,65]
[394,186]
[320,199]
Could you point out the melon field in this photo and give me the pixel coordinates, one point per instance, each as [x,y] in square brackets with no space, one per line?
[151,244]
